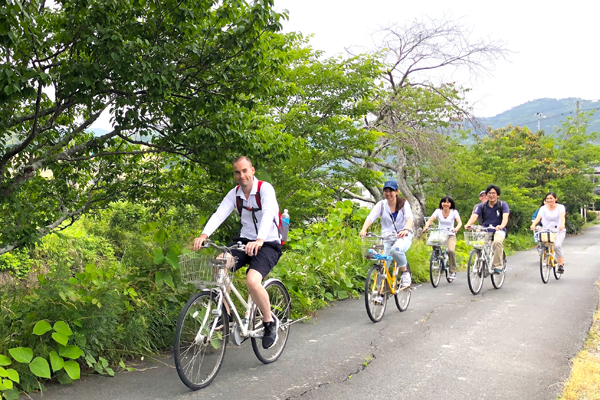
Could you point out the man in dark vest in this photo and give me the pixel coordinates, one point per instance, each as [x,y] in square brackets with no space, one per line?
[493,213]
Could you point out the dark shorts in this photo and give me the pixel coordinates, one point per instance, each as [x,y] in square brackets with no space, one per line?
[263,262]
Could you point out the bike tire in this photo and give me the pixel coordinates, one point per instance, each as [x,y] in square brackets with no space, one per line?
[447,269]
[375,310]
[545,265]
[280,307]
[498,279]
[198,364]
[557,275]
[475,272]
[402,298]
[435,269]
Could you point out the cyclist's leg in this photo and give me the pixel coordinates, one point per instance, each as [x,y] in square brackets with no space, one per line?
[399,250]
[398,253]
[451,250]
[498,262]
[260,266]
[558,253]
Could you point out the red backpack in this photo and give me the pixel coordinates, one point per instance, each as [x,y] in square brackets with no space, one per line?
[240,205]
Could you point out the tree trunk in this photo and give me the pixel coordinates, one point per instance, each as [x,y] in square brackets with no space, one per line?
[414,194]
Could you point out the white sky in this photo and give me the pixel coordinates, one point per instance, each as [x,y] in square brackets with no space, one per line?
[555,44]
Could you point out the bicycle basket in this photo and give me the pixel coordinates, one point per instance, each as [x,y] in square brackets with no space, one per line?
[200,269]
[371,243]
[437,238]
[478,239]
[547,237]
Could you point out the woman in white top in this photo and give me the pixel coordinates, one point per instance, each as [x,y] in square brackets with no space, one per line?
[552,216]
[446,215]
[397,220]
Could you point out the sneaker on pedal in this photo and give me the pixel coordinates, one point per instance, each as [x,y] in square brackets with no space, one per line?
[498,271]
[271,333]
[405,279]
[452,276]
[378,299]
[561,269]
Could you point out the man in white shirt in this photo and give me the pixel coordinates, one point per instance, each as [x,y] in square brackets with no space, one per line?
[260,219]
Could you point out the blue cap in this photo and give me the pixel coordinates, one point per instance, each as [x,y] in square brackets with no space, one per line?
[391,184]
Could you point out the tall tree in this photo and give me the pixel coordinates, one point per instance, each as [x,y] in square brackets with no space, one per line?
[178,76]
[415,108]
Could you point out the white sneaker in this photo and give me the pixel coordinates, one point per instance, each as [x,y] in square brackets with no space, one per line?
[377,299]
[405,279]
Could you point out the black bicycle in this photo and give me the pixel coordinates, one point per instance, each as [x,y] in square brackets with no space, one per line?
[438,260]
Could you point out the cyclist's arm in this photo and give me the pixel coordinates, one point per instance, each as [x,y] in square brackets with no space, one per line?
[504,222]
[366,225]
[562,219]
[536,221]
[430,220]
[225,208]
[471,220]
[457,219]
[372,217]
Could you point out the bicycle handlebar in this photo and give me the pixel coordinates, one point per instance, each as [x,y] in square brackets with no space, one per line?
[237,246]
[479,228]
[384,237]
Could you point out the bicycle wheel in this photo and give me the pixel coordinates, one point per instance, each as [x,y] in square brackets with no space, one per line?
[447,268]
[475,272]
[435,269]
[498,279]
[198,354]
[545,264]
[376,292]
[402,298]
[557,274]
[280,307]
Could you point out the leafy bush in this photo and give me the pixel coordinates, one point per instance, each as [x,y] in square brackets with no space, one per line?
[591,216]
[18,263]
[574,223]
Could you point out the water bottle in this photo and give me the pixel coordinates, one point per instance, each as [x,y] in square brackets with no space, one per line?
[285,224]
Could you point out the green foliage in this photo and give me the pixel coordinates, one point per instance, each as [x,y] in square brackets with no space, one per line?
[18,263]
[181,79]
[53,347]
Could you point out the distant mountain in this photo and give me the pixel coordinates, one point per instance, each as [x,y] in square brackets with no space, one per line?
[98,132]
[554,112]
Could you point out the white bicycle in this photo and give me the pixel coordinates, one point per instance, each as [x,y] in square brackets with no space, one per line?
[203,328]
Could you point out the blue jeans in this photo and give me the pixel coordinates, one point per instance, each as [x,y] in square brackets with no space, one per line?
[398,249]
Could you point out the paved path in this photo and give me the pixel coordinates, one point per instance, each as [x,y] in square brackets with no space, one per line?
[513,343]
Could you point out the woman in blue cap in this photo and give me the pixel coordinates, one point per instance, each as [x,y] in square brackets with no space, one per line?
[396,219]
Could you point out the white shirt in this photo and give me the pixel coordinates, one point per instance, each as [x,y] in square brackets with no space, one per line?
[551,219]
[388,226]
[267,229]
[446,223]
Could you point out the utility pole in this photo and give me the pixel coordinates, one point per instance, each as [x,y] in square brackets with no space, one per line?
[540,117]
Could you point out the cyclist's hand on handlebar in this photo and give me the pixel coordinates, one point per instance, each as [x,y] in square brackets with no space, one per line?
[199,241]
[561,227]
[253,247]
[363,234]
[468,227]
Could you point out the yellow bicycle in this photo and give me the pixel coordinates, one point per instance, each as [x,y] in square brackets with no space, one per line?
[546,238]
[380,283]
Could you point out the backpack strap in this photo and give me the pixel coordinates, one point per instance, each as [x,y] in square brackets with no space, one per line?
[239,201]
